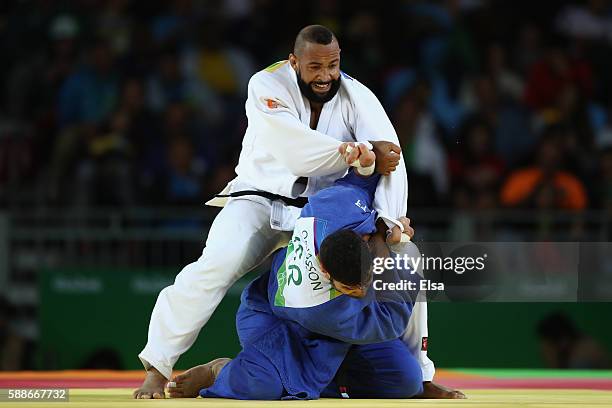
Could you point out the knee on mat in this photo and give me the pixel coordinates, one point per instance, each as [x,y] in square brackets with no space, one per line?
[407,381]
[409,386]
[255,381]
[265,389]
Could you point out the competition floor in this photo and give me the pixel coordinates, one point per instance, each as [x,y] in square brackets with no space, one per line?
[484,388]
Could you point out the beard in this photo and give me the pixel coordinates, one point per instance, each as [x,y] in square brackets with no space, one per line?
[312,96]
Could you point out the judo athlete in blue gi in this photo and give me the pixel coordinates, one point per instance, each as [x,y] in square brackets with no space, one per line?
[310,327]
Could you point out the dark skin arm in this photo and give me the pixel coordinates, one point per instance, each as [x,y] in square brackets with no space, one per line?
[387,157]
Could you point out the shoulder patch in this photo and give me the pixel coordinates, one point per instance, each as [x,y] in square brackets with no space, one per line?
[275,66]
[272,104]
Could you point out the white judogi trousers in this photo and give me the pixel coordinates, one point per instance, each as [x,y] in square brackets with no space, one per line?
[239,239]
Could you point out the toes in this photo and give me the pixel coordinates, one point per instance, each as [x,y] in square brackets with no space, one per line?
[157,395]
[144,396]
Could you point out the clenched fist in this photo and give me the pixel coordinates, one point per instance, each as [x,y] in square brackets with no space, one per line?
[387,157]
[352,152]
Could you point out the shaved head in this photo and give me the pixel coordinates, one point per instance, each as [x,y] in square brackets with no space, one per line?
[316,61]
[313,34]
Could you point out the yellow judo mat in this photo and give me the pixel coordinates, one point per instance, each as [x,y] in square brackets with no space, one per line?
[121,397]
[484,388]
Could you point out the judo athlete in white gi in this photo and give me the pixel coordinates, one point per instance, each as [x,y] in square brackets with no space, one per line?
[300,113]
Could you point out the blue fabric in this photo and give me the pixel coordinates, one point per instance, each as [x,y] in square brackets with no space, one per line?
[346,204]
[249,376]
[383,370]
[304,347]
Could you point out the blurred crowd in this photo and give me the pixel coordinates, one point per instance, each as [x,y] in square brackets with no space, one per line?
[497,104]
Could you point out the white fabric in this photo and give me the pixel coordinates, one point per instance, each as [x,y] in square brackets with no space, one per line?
[301,257]
[416,333]
[239,239]
[278,148]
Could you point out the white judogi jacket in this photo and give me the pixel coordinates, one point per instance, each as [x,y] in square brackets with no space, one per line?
[279,147]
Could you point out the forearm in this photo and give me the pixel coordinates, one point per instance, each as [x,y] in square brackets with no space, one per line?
[305,152]
[377,243]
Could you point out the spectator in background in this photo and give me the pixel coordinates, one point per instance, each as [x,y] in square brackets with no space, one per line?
[154,167]
[476,167]
[183,184]
[85,102]
[224,69]
[90,94]
[102,174]
[544,185]
[33,83]
[563,345]
[423,152]
[172,22]
[105,172]
[142,125]
[508,121]
[588,25]
[113,23]
[168,85]
[445,42]
[362,38]
[551,75]
[528,48]
[509,84]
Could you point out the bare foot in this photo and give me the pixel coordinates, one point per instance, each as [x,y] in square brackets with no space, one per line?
[189,383]
[437,391]
[152,386]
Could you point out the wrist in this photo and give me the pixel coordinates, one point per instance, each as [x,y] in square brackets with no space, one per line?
[365,171]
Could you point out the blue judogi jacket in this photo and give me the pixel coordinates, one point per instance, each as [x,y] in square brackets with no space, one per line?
[295,317]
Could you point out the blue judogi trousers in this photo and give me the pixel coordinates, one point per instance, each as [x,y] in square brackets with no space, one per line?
[381,370]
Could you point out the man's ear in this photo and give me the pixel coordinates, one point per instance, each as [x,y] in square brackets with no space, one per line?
[325,273]
[293,61]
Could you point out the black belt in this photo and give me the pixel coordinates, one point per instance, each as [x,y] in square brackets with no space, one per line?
[294,202]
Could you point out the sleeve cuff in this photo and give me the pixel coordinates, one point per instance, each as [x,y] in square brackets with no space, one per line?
[390,222]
